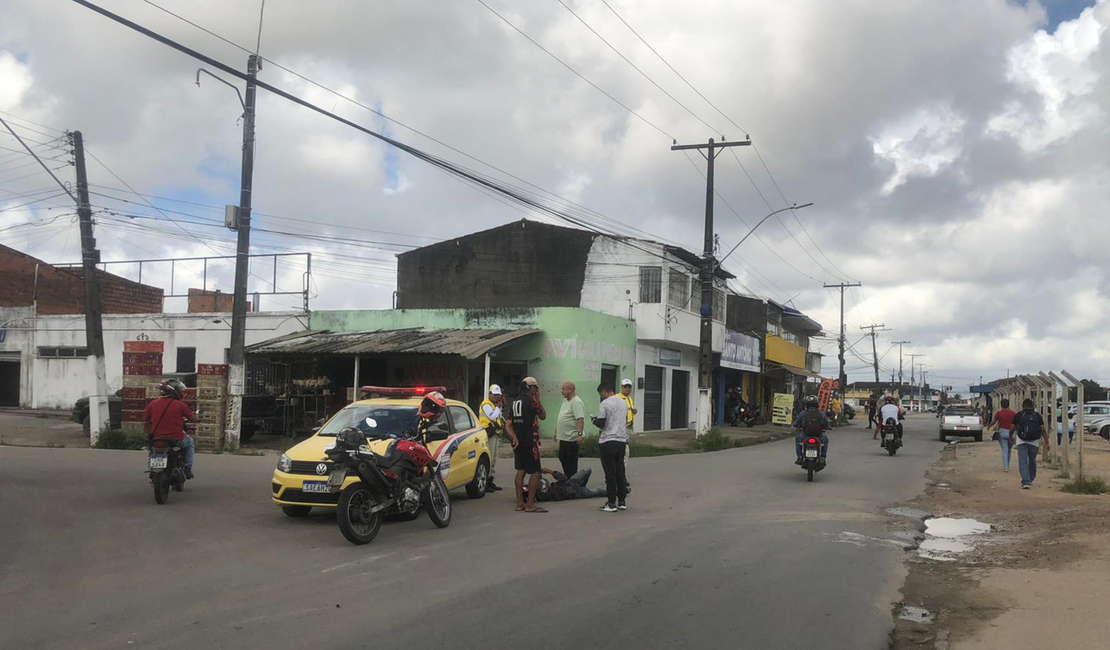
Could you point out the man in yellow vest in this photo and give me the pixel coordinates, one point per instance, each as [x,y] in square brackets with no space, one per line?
[491,418]
[626,395]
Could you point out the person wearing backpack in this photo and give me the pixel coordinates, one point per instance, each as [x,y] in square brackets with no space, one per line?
[812,423]
[1030,429]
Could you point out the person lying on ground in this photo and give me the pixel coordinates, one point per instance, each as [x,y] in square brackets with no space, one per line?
[565,488]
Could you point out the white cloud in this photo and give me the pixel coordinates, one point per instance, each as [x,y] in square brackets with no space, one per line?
[922,143]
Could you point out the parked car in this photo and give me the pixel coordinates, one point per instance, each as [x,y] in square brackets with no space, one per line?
[81,412]
[459,446]
[849,411]
[961,421]
[1099,424]
[1096,409]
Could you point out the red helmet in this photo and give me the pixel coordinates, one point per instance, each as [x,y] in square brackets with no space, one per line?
[432,405]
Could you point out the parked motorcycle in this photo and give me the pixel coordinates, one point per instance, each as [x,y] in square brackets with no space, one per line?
[752,415]
[891,439]
[398,482]
[166,466]
[812,462]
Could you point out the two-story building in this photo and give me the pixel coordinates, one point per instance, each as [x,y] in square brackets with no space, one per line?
[527,264]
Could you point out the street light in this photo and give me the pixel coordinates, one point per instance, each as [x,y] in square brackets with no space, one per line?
[793,207]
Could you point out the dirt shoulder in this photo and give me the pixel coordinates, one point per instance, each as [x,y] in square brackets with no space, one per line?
[1039,579]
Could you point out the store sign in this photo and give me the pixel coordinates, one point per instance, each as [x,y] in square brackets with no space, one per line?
[669,357]
[824,395]
[783,409]
[741,352]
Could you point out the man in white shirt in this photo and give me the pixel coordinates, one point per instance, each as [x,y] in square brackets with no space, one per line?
[890,410]
[612,420]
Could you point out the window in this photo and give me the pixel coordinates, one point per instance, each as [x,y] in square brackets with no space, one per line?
[186,359]
[460,418]
[718,305]
[678,289]
[651,284]
[62,353]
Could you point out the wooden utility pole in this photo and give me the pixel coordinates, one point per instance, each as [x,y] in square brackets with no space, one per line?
[708,267]
[874,350]
[900,344]
[842,286]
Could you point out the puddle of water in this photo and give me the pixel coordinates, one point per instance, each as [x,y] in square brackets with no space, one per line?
[949,527]
[915,614]
[939,548]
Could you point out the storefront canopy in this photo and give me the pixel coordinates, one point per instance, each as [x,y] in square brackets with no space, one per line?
[794,370]
[468,343]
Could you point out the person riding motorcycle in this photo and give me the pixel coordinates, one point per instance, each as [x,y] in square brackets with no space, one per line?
[811,423]
[890,409]
[166,416]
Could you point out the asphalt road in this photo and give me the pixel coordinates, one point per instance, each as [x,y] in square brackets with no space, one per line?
[724,550]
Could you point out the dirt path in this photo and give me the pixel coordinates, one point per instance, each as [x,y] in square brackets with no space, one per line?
[1039,579]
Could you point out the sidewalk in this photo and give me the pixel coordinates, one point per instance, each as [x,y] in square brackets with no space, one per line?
[35,428]
[1039,578]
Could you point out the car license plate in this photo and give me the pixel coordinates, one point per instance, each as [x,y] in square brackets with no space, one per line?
[158,462]
[811,453]
[336,478]
[960,427]
[309,487]
[890,436]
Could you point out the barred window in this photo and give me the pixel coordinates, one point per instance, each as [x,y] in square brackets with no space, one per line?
[678,289]
[62,352]
[651,284]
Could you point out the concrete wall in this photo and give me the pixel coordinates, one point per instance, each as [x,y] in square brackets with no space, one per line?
[58,383]
[574,344]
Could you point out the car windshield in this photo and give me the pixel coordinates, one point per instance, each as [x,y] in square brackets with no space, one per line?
[390,420]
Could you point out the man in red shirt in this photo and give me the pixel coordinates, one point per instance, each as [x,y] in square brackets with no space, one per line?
[166,416]
[1005,421]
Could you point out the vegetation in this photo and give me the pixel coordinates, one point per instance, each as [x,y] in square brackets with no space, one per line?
[116,439]
[1086,485]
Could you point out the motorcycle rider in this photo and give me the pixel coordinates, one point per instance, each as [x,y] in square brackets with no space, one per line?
[166,416]
[492,419]
[890,409]
[812,423]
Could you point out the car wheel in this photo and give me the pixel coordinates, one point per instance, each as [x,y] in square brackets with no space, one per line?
[476,489]
[86,426]
[979,437]
[1105,432]
[296,511]
[942,436]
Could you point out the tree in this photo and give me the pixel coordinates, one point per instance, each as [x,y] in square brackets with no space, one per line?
[1091,391]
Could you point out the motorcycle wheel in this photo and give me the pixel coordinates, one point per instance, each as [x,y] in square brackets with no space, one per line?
[356,522]
[809,474]
[751,422]
[438,503]
[892,449]
[161,487]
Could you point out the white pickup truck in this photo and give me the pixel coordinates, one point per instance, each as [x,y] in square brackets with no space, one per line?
[958,421]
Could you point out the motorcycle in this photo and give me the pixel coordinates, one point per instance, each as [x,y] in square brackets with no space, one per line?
[398,482]
[166,466]
[811,456]
[891,439]
[750,415]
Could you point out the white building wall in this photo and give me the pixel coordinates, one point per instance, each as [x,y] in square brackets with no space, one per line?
[58,383]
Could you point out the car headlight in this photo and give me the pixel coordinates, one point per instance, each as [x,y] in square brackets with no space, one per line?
[284,464]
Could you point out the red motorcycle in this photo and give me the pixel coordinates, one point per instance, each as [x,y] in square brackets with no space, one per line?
[397,482]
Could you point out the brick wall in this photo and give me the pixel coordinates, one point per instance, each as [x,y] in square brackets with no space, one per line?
[62,290]
[207,302]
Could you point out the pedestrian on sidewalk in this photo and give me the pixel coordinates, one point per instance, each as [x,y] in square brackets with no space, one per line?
[612,421]
[626,396]
[492,419]
[872,407]
[1030,429]
[1004,419]
[1060,425]
[523,428]
[569,427]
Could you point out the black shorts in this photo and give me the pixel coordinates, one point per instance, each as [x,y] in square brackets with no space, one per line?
[527,458]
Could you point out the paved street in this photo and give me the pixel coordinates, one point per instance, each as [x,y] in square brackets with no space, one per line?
[731,550]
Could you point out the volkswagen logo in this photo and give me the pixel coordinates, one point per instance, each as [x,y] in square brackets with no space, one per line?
[322,469]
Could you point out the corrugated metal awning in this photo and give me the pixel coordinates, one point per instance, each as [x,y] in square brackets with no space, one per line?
[794,370]
[469,343]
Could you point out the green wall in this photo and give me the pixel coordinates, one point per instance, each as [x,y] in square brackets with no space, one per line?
[572,346]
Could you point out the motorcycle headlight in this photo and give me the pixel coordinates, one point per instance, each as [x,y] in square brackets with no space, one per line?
[284,464]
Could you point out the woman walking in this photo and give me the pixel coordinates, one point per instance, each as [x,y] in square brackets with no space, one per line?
[1005,421]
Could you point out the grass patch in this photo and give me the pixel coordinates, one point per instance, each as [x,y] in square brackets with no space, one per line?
[1086,485]
[116,439]
[713,441]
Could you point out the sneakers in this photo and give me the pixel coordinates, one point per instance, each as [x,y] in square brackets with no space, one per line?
[188,473]
[608,507]
[621,506]
[1025,486]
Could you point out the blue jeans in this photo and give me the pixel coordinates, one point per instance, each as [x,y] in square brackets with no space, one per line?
[824,444]
[1007,445]
[1027,463]
[1060,433]
[190,451]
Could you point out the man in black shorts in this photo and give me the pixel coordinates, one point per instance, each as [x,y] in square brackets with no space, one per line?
[523,427]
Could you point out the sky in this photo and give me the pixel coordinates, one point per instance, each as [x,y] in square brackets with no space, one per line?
[954,150]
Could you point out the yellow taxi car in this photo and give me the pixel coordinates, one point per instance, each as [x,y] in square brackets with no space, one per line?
[455,441]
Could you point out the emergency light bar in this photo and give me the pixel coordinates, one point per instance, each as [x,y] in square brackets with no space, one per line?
[411,391]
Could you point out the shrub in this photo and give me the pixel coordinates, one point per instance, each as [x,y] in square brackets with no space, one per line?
[1086,485]
[116,439]
[713,441]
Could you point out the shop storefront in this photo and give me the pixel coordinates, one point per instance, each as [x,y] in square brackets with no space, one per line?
[738,370]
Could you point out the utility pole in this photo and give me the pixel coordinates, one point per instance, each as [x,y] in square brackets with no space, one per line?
[842,286]
[874,351]
[237,357]
[94,328]
[913,359]
[900,344]
[708,266]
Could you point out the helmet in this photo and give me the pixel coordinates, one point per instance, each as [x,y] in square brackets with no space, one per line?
[889,399]
[432,405]
[172,388]
[811,400]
